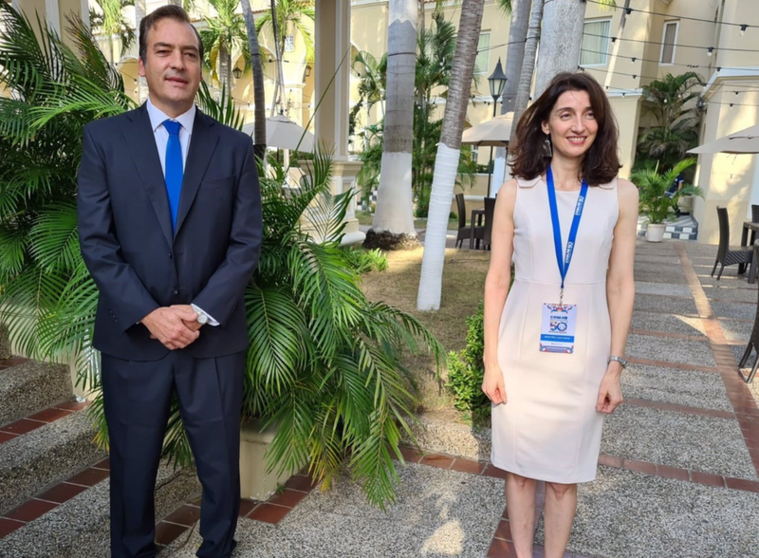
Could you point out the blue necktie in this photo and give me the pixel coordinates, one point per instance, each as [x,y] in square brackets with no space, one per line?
[174,169]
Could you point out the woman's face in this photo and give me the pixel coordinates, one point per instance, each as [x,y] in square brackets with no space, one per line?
[572,124]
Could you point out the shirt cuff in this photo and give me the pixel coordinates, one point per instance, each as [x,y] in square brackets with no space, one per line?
[211,321]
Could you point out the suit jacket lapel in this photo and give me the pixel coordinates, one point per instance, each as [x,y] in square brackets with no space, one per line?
[202,146]
[141,141]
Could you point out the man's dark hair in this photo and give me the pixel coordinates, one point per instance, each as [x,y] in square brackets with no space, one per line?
[176,13]
[601,162]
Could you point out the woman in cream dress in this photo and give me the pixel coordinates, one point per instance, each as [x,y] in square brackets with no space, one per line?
[548,399]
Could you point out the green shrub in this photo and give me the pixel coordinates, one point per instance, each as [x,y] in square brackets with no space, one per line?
[465,372]
[364,261]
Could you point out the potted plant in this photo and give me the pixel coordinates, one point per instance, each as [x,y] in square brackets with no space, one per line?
[658,197]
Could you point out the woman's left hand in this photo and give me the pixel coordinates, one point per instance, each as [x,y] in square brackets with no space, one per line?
[610,392]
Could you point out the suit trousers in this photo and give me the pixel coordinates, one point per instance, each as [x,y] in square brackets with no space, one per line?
[137,398]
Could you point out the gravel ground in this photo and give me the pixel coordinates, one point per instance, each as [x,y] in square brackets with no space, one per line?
[624,514]
[438,514]
[670,349]
[688,441]
[690,388]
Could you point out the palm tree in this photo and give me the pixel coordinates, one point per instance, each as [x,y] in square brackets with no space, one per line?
[449,149]
[111,22]
[324,361]
[528,64]
[225,34]
[291,15]
[561,39]
[670,101]
[394,217]
[259,93]
[520,13]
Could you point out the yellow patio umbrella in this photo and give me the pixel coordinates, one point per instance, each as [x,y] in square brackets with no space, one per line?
[494,133]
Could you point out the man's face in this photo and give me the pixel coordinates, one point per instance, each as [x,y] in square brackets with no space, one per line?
[172,66]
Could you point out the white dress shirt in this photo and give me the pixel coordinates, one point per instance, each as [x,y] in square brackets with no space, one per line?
[161,135]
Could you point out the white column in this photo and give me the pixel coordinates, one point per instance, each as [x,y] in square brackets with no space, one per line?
[332,80]
[53,16]
[332,42]
[85,12]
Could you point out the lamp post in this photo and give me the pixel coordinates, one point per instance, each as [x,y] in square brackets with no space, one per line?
[497,82]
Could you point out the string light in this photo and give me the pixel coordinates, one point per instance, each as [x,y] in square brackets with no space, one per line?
[629,10]
[743,29]
[613,39]
[710,51]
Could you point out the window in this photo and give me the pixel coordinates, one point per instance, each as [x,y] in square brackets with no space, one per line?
[669,38]
[482,62]
[595,43]
[289,43]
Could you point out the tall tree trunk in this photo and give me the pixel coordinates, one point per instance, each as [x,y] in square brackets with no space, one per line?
[520,15]
[393,225]
[224,69]
[561,40]
[448,152]
[259,94]
[615,47]
[528,65]
[139,13]
[279,93]
[228,75]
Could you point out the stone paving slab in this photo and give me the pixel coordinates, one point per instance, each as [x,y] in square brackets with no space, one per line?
[670,349]
[690,388]
[695,442]
[727,282]
[660,258]
[665,304]
[736,331]
[728,294]
[667,323]
[660,277]
[673,269]
[625,514]
[738,310]
[645,287]
[439,513]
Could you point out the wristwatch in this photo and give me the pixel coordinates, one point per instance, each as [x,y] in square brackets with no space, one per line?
[202,317]
[618,359]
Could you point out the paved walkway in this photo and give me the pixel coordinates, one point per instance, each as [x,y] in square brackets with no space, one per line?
[678,474]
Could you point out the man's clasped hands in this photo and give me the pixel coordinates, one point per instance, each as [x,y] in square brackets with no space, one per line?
[175,326]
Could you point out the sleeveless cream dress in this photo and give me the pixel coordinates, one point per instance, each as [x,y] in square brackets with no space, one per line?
[549,428]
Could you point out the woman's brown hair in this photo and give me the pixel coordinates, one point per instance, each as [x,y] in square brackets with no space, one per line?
[601,162]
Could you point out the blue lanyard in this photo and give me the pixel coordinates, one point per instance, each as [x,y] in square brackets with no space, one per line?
[571,241]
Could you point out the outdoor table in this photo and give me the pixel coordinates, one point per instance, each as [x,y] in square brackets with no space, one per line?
[753,227]
[479,214]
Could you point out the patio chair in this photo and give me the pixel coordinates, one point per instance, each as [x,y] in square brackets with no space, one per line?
[725,254]
[464,232]
[755,213]
[753,344]
[488,232]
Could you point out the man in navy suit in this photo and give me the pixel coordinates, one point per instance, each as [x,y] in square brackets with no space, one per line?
[170,228]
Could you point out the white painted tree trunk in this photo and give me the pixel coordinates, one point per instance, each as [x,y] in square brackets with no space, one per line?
[448,152]
[394,212]
[528,65]
[561,40]
[520,15]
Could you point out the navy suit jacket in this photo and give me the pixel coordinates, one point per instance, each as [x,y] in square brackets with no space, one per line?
[127,241]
